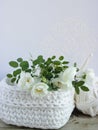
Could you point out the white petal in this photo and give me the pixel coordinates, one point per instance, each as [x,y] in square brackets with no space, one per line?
[22,74]
[69,74]
[39,89]
[26,81]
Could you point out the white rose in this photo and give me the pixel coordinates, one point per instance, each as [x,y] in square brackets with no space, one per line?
[26,81]
[39,89]
[64,81]
[61,84]
[68,76]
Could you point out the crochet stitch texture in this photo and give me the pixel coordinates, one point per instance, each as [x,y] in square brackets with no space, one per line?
[49,112]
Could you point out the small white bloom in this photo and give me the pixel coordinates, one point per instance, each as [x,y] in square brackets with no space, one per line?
[66,78]
[39,89]
[69,74]
[26,81]
[64,81]
[60,84]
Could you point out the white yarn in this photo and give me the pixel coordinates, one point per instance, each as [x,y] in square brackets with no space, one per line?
[19,108]
[87,102]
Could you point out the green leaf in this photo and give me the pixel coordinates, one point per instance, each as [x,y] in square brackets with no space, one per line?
[65,67]
[61,57]
[50,68]
[28,70]
[24,65]
[42,65]
[19,59]
[16,72]
[49,76]
[35,62]
[44,72]
[13,80]
[74,83]
[48,62]
[84,76]
[53,57]
[9,75]
[80,83]
[65,62]
[13,64]
[77,90]
[84,88]
[57,62]
[40,59]
[58,69]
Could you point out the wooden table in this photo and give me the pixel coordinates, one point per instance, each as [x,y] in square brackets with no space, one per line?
[77,121]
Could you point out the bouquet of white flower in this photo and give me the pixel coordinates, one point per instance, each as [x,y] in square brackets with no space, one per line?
[42,76]
[40,93]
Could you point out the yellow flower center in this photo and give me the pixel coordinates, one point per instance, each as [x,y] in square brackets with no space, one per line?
[28,80]
[39,90]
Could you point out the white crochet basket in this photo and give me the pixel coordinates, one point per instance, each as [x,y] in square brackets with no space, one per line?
[19,108]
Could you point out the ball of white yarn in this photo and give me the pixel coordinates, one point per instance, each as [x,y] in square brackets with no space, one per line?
[87,102]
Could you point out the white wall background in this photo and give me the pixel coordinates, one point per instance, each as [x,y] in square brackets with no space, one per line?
[48,27]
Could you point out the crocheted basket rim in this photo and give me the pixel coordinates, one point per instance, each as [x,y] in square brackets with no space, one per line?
[4,83]
[7,85]
[11,94]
